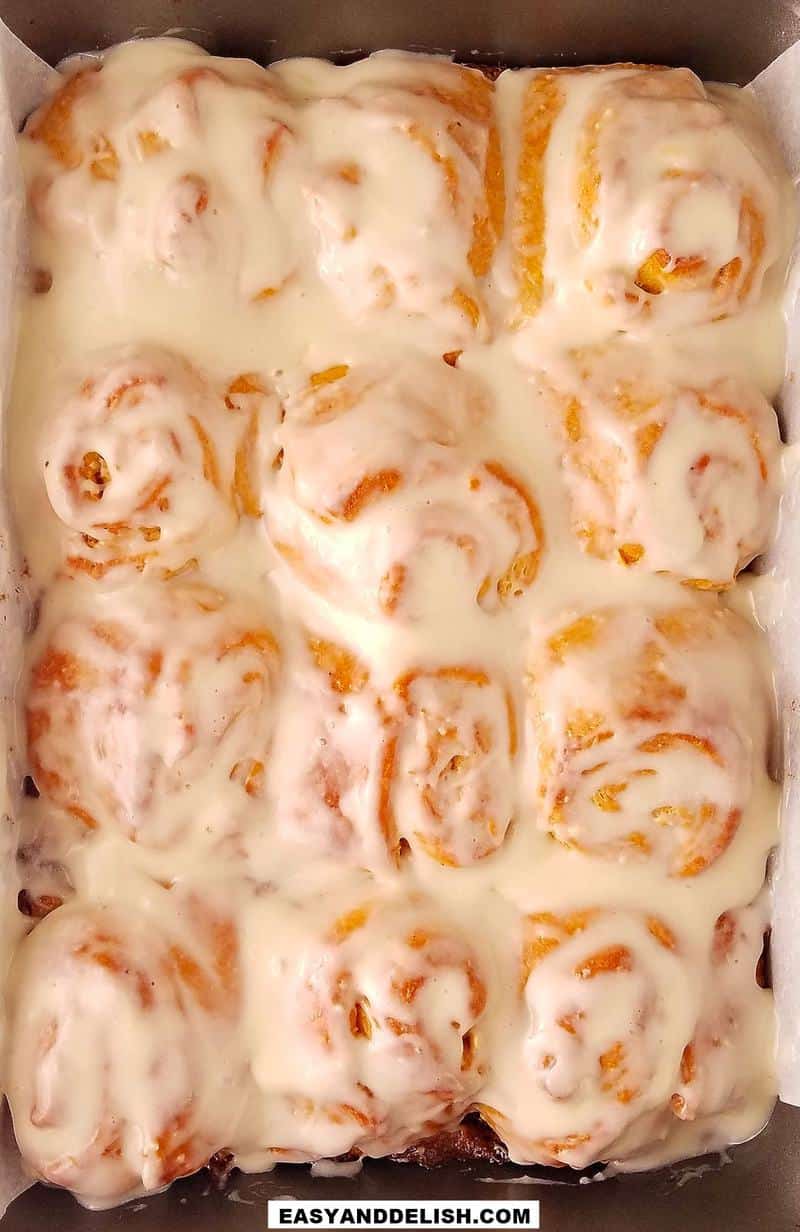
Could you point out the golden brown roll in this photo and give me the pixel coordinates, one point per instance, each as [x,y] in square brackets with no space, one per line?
[370,1040]
[123,1070]
[363,774]
[149,464]
[456,740]
[668,478]
[606,1012]
[648,733]
[718,1074]
[382,488]
[646,189]
[333,759]
[129,727]
[125,157]
[406,193]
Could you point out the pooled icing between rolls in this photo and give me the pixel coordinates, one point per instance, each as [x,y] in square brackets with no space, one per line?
[385,446]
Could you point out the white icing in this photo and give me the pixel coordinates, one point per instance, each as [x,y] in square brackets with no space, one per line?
[305,514]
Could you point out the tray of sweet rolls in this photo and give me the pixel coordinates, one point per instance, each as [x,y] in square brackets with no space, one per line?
[388,444]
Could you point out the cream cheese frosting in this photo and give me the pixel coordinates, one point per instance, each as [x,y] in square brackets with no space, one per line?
[386,442]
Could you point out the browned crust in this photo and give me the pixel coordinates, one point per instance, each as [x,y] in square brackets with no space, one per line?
[470,1142]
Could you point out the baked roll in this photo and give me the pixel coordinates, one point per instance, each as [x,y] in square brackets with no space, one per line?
[645,189]
[719,1076]
[668,478]
[648,733]
[364,774]
[333,759]
[369,1039]
[129,727]
[453,786]
[605,1012]
[405,192]
[173,168]
[382,486]
[147,464]
[123,1069]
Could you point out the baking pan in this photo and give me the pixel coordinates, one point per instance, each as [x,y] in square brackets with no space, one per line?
[756,1185]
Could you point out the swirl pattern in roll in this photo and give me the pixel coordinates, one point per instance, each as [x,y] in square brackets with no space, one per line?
[123,1073]
[669,478]
[129,728]
[604,1000]
[359,1048]
[645,188]
[380,473]
[390,120]
[125,155]
[648,732]
[147,465]
[453,790]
